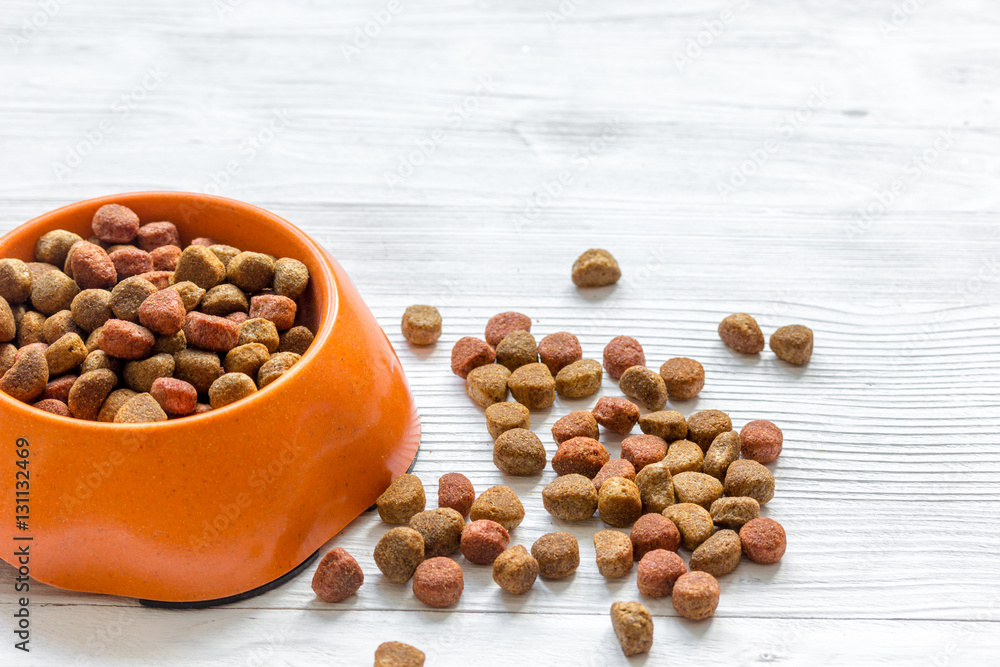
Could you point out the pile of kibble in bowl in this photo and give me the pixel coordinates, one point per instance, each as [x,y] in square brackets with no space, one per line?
[129,327]
[685,484]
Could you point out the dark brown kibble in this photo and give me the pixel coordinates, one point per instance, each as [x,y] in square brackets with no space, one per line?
[404,498]
[128,296]
[763,540]
[595,268]
[580,379]
[618,415]
[170,344]
[581,455]
[684,377]
[456,491]
[705,426]
[398,654]
[65,354]
[398,553]
[558,555]
[654,531]
[570,497]
[658,572]
[91,308]
[15,281]
[88,393]
[31,329]
[793,343]
[667,424]
[614,553]
[52,292]
[641,450]
[644,386]
[519,452]
[517,349]
[441,529]
[296,340]
[505,416]
[696,595]
[438,582]
[470,353]
[483,541]
[114,223]
[53,246]
[246,359]
[56,326]
[559,350]
[225,253]
[259,330]
[697,488]
[199,367]
[741,333]
[421,324]
[633,627]
[502,324]
[113,403]
[223,300]
[622,353]
[275,367]
[515,570]
[734,512]
[251,271]
[26,379]
[684,456]
[199,265]
[337,577]
[614,468]
[619,502]
[190,293]
[579,423]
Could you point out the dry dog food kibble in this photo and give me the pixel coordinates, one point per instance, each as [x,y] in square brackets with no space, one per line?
[259,330]
[505,416]
[517,349]
[502,324]
[246,359]
[519,452]
[733,513]
[15,281]
[720,455]
[570,498]
[645,386]
[642,450]
[65,354]
[533,386]
[438,582]
[140,409]
[667,424]
[697,488]
[337,577]
[693,521]
[487,384]
[470,353]
[515,570]
[398,654]
[441,529]
[421,324]
[176,397]
[404,498]
[296,339]
[275,367]
[581,455]
[741,333]
[498,503]
[618,415]
[703,427]
[230,388]
[88,393]
[595,268]
[140,375]
[483,541]
[684,456]
[751,479]
[633,627]
[558,555]
[763,540]
[455,491]
[291,277]
[398,553]
[113,403]
[760,440]
[26,379]
[580,379]
[614,553]
[622,353]
[559,350]
[614,468]
[696,595]
[619,503]
[719,554]
[684,377]
[793,343]
[656,487]
[658,571]
[654,531]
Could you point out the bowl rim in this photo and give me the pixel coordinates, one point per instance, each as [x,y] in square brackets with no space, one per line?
[328,314]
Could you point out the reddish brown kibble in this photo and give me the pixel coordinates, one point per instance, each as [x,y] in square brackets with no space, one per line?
[470,353]
[176,397]
[208,332]
[278,309]
[622,353]
[338,576]
[456,491]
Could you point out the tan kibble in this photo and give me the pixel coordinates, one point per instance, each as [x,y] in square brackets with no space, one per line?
[517,349]
[230,388]
[100,359]
[170,344]
[200,265]
[519,452]
[191,294]
[619,502]
[52,247]
[558,555]
[398,553]
[633,627]
[533,386]
[8,325]
[113,403]
[724,450]
[398,654]
[198,368]
[515,570]
[644,386]
[139,375]
[94,339]
[224,252]
[15,281]
[128,295]
[498,503]
[8,353]
[251,271]
[614,553]
[441,530]
[719,554]
[570,498]
[703,427]
[793,343]
[91,308]
[140,409]
[693,521]
[697,488]
[275,367]
[58,325]
[751,479]
[684,456]
[667,424]
[734,512]
[684,377]
[741,333]
[65,354]
[580,379]
[224,299]
[31,329]
[696,595]
[296,339]
[504,416]
[52,292]
[26,379]
[595,268]
[656,487]
[404,498]
[487,384]
[259,330]
[421,324]
[579,423]
[246,359]
[89,392]
[291,277]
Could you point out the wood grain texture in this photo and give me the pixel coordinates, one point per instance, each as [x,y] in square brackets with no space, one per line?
[833,165]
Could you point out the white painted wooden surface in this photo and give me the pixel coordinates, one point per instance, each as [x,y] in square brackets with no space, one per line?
[733,180]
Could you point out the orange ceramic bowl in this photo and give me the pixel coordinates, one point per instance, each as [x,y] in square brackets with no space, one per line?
[214,505]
